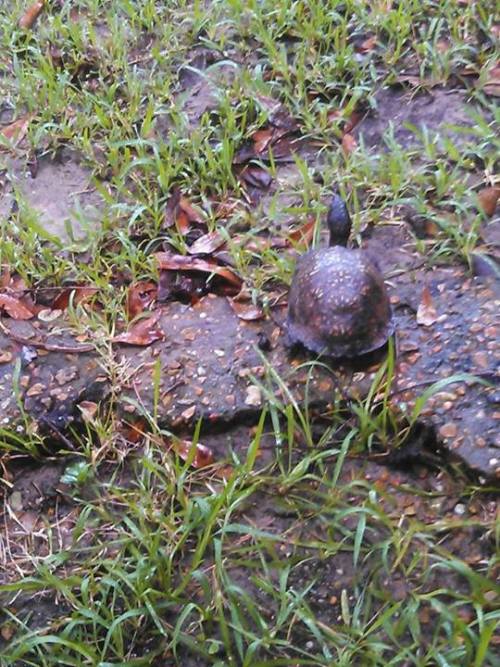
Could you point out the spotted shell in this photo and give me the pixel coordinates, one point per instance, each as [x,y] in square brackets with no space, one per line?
[338,304]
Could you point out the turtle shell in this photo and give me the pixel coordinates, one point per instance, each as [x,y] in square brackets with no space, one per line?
[338,304]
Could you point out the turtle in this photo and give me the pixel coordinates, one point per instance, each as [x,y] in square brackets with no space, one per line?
[338,304]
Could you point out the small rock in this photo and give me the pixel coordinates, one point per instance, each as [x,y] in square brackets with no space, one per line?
[448,430]
[253,397]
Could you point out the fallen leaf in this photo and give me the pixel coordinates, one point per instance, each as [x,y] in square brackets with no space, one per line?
[258,177]
[226,208]
[32,13]
[352,121]
[88,410]
[179,212]
[262,139]
[15,307]
[15,132]
[77,294]
[368,44]
[304,234]
[134,432]
[426,312]
[488,199]
[206,244]
[140,297]
[203,455]
[169,262]
[246,311]
[348,143]
[491,83]
[144,332]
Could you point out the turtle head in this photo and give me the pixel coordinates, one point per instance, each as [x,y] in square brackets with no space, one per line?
[339,221]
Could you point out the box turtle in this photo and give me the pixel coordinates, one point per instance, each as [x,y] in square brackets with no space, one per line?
[338,304]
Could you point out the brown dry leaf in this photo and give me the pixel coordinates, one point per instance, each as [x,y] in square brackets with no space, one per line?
[15,307]
[88,410]
[140,297]
[169,262]
[134,432]
[143,333]
[203,455]
[193,214]
[368,44]
[16,131]
[348,143]
[256,176]
[262,139]
[246,311]
[352,121]
[81,294]
[488,199]
[304,234]
[226,208]
[206,244]
[426,312]
[491,85]
[32,13]
[180,212]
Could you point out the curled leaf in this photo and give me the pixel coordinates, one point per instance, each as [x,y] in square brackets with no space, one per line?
[368,44]
[246,311]
[304,234]
[170,262]
[144,332]
[203,456]
[206,244]
[488,199]
[426,312]
[31,14]
[257,177]
[15,307]
[75,294]
[140,297]
[15,132]
[348,144]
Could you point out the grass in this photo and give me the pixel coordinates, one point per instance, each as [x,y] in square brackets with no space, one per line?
[300,556]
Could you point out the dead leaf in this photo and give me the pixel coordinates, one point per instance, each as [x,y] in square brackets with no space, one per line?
[203,455]
[491,83]
[246,311]
[348,144]
[426,312]
[262,139]
[226,208]
[15,307]
[134,432]
[32,13]
[304,234]
[179,212]
[15,132]
[206,244]
[257,177]
[140,297]
[368,44]
[144,332]
[193,214]
[88,410]
[488,199]
[77,293]
[352,121]
[169,262]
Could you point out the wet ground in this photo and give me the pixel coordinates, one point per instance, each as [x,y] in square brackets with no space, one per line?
[214,366]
